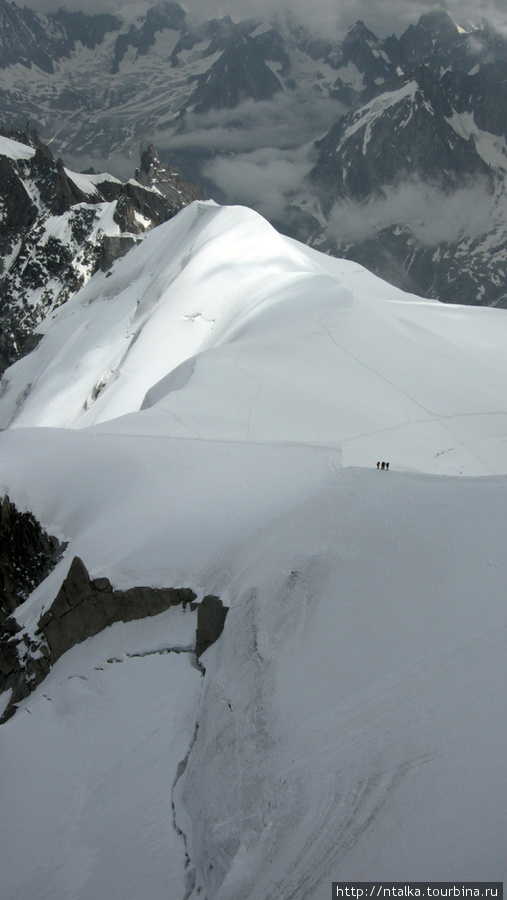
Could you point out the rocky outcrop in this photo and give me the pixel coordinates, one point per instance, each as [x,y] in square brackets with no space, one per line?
[27,556]
[403,148]
[211,615]
[30,38]
[154,173]
[57,192]
[404,135]
[113,248]
[82,608]
[159,17]
[239,74]
[44,263]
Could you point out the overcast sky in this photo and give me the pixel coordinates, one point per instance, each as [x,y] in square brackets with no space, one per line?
[382,16]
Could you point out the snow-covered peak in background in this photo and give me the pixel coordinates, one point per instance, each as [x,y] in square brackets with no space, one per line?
[297,346]
[209,414]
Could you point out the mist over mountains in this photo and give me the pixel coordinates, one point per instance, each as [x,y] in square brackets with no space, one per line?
[390,150]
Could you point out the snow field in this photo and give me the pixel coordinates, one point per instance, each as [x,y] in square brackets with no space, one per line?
[352,722]
[210,416]
[299,348]
[89,800]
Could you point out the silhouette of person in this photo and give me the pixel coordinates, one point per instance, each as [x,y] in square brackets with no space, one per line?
[383,465]
[378,465]
[387,465]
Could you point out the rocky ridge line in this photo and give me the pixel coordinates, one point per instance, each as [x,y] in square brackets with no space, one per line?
[51,239]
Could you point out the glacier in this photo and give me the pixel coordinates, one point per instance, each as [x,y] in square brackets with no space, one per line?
[210,414]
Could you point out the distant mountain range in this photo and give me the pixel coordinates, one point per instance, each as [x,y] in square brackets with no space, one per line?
[389,151]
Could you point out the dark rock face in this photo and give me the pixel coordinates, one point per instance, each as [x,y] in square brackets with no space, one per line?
[211,615]
[435,34]
[28,37]
[218,34]
[148,198]
[239,74]
[364,50]
[365,152]
[89,30]
[483,93]
[113,248]
[44,270]
[152,173]
[159,17]
[19,210]
[27,556]
[81,609]
[405,137]
[57,191]
[31,38]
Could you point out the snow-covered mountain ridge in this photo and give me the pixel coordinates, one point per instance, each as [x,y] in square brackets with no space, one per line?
[267,320]
[209,415]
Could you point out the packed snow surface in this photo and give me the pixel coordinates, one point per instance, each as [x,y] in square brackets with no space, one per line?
[210,415]
[299,347]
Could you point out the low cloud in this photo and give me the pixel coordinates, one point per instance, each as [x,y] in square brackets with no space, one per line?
[288,120]
[382,16]
[264,180]
[258,153]
[433,217]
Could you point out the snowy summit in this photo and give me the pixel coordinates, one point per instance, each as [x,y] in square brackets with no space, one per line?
[209,414]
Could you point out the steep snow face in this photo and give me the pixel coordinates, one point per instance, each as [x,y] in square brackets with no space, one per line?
[352,723]
[210,416]
[298,347]
[15,150]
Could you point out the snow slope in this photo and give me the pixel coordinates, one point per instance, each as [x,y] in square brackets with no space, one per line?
[299,347]
[210,416]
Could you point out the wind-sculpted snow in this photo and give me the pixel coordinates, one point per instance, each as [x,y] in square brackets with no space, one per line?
[351,720]
[210,415]
[298,347]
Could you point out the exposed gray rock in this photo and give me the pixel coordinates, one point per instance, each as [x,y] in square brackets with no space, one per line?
[27,555]
[113,248]
[153,173]
[241,73]
[30,38]
[81,609]
[41,271]
[211,615]
[159,17]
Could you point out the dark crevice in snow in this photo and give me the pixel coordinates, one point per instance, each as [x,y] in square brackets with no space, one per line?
[160,652]
[190,869]
[211,615]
